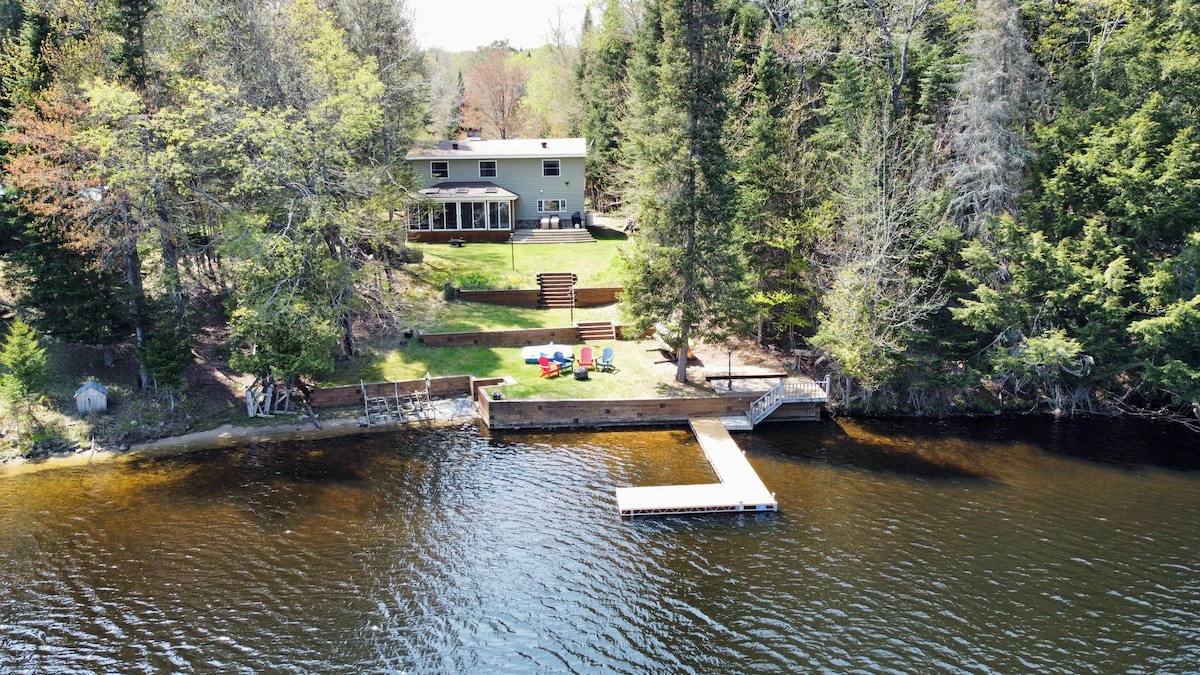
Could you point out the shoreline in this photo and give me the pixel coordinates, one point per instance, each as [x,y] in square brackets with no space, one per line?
[446,412]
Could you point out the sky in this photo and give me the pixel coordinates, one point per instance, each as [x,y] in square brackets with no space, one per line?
[464,25]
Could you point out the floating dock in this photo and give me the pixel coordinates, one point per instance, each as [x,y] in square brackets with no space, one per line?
[740,488]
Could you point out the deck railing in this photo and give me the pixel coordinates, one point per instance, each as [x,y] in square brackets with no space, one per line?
[788,391]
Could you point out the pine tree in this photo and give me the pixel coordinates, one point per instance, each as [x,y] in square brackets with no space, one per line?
[686,268]
[454,122]
[25,374]
[128,19]
[167,354]
[604,57]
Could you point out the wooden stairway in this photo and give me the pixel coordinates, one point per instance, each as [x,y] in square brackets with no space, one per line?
[787,391]
[565,236]
[596,331]
[556,290]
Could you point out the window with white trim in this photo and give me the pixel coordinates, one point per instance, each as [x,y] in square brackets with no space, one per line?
[487,168]
[552,205]
[439,169]
[550,167]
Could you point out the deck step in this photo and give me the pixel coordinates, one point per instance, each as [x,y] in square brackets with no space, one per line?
[594,331]
[563,236]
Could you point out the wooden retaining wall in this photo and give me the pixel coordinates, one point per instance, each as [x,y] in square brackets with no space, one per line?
[505,414]
[527,298]
[504,338]
[351,394]
[444,236]
[584,297]
[517,337]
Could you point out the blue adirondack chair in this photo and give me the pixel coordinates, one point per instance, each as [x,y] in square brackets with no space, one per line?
[605,361]
[564,362]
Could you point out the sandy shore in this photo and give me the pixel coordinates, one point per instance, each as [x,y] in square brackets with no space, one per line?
[446,411]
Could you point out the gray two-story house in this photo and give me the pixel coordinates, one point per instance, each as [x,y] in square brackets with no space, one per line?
[478,190]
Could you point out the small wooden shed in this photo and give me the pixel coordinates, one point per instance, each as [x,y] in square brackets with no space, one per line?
[91,397]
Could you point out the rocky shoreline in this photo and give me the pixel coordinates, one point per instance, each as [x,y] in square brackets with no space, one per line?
[446,411]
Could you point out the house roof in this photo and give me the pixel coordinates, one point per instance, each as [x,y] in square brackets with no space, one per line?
[92,384]
[457,191]
[510,148]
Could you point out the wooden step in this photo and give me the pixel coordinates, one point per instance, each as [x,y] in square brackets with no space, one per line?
[594,331]
[556,290]
[565,236]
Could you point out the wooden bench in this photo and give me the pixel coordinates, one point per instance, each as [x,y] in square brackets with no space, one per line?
[458,243]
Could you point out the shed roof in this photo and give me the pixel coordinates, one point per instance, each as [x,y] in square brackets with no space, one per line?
[510,148]
[457,191]
[91,384]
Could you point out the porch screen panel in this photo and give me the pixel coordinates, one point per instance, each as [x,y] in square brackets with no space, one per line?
[498,215]
[416,218]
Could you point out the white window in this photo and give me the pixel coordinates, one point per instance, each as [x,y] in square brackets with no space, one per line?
[550,167]
[487,168]
[552,205]
[439,169]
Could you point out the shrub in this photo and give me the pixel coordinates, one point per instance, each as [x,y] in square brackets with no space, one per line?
[475,281]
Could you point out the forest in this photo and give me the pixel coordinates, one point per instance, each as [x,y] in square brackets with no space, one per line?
[957,205]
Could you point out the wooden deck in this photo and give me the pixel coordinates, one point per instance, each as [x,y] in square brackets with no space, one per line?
[740,489]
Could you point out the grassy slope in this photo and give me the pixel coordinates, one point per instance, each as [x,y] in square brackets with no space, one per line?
[643,372]
[592,263]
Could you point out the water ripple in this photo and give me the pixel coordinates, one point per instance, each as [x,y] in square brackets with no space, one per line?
[448,551]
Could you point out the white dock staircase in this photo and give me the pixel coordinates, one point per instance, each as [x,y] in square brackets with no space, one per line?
[787,391]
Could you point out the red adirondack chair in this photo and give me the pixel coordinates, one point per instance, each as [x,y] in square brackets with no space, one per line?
[585,358]
[549,368]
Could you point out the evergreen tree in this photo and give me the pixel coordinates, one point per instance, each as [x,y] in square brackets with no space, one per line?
[167,354]
[776,211]
[23,371]
[454,121]
[75,299]
[604,57]
[128,20]
[686,268]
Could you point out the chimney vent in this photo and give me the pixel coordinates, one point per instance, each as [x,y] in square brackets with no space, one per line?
[543,144]
[455,145]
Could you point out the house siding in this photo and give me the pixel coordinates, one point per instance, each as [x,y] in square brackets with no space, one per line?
[522,176]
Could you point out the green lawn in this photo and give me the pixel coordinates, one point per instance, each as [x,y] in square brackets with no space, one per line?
[637,376]
[499,266]
[456,316]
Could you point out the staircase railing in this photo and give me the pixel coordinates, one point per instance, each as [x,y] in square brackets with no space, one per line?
[788,391]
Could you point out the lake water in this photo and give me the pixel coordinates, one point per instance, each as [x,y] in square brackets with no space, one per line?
[995,546]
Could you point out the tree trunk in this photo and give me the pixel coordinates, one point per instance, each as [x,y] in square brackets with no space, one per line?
[682,353]
[133,275]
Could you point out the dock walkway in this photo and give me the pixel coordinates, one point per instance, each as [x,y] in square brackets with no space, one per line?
[740,488]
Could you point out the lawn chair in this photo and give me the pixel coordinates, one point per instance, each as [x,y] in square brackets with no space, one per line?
[563,362]
[585,358]
[549,368]
[605,361]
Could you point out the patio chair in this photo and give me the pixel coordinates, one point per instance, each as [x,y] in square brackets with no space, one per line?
[549,368]
[605,362]
[563,361]
[585,358]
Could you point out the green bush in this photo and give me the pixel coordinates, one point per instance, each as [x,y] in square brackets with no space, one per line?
[475,281]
